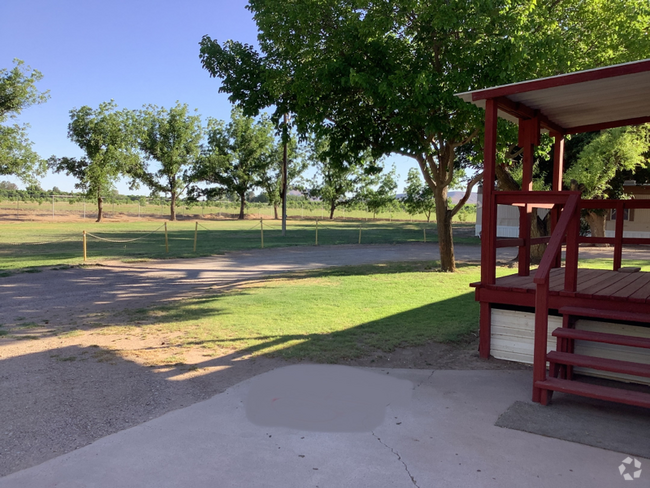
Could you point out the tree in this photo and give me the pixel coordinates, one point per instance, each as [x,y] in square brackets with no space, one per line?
[237,155]
[271,181]
[612,151]
[8,185]
[171,138]
[419,197]
[17,92]
[342,185]
[383,74]
[108,141]
[382,196]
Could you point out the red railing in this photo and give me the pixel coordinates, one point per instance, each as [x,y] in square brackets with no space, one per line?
[618,241]
[568,227]
[525,201]
[555,201]
[566,208]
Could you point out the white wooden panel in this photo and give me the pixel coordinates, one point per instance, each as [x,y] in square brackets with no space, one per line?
[513,335]
[513,340]
[612,351]
[502,230]
[628,233]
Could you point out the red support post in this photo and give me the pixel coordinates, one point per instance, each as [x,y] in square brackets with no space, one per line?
[555,216]
[488,231]
[541,335]
[485,331]
[528,139]
[618,235]
[571,261]
[558,169]
[558,161]
[524,233]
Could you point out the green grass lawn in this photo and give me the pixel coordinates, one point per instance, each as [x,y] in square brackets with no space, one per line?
[329,315]
[31,244]
[601,263]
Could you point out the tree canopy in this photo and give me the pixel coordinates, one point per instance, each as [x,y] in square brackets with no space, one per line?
[17,92]
[383,75]
[271,180]
[107,138]
[236,157]
[381,196]
[171,138]
[419,197]
[342,185]
[613,151]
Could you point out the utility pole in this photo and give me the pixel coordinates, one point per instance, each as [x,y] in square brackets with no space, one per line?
[285,136]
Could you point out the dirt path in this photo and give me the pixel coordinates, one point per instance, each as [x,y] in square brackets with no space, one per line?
[56,295]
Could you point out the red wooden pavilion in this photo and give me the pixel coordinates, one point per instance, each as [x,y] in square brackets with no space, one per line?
[584,101]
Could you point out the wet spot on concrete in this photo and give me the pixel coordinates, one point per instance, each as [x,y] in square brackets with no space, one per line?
[324,398]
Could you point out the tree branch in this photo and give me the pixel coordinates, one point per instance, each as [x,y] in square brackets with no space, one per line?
[474,133]
[425,171]
[478,177]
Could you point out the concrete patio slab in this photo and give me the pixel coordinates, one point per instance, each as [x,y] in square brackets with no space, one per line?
[443,437]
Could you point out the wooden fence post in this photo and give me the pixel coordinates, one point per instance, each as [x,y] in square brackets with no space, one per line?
[262,232]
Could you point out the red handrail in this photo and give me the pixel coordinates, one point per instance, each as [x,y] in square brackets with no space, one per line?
[568,218]
[555,244]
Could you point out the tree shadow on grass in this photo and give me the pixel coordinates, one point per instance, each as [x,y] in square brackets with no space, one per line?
[450,320]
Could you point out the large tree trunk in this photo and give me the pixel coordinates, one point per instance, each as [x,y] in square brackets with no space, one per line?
[172,207]
[100,207]
[596,221]
[445,237]
[438,172]
[332,208]
[242,205]
[275,210]
[538,228]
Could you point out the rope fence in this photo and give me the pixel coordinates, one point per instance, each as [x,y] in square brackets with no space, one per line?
[122,241]
[201,239]
[214,236]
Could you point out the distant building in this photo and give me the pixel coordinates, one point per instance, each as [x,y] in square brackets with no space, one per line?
[507,218]
[637,221]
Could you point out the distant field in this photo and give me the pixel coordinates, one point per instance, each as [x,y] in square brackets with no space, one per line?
[63,209]
[25,245]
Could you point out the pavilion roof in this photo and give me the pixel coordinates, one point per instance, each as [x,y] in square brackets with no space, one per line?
[583,101]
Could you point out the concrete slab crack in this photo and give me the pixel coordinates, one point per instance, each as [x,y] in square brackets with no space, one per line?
[424,380]
[399,458]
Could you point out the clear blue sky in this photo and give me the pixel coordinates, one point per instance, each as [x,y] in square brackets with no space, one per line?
[136,52]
